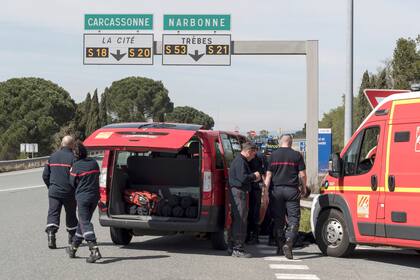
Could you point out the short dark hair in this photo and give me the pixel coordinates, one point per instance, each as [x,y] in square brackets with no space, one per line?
[249,146]
[80,150]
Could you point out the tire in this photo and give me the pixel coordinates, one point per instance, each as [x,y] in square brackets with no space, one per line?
[332,234]
[120,236]
[219,240]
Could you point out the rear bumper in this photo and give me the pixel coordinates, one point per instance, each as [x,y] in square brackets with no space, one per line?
[212,221]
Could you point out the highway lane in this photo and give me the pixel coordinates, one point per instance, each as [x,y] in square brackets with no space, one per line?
[24,253]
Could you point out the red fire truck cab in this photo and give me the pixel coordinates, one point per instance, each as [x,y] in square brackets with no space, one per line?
[372,192]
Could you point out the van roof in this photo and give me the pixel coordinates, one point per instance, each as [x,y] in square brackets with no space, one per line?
[177,126]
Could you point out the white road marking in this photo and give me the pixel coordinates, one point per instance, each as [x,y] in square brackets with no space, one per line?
[289,266]
[280,259]
[23,188]
[296,276]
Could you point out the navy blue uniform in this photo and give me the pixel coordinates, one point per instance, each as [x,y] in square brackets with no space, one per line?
[258,163]
[285,165]
[240,180]
[60,192]
[84,178]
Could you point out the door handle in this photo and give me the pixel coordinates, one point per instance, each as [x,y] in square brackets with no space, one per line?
[374,182]
[391,183]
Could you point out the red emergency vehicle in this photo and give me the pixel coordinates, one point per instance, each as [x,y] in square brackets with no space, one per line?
[372,193]
[172,161]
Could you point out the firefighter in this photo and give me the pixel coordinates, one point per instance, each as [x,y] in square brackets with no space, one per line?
[285,168]
[60,193]
[256,164]
[240,179]
[84,178]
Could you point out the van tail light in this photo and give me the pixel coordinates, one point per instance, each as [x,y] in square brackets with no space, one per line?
[207,182]
[103,196]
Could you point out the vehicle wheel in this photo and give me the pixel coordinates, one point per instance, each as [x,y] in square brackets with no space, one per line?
[332,234]
[120,236]
[219,240]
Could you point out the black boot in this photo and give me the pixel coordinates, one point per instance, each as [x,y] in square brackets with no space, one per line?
[287,249]
[71,250]
[51,238]
[94,252]
[71,236]
[280,245]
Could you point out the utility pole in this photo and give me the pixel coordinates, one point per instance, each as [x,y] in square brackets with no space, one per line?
[348,101]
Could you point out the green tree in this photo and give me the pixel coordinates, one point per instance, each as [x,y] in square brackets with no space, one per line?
[103,111]
[79,124]
[362,107]
[190,115]
[334,119]
[405,63]
[93,122]
[136,99]
[264,133]
[32,110]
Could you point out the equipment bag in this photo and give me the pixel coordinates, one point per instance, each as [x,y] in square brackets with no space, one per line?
[146,201]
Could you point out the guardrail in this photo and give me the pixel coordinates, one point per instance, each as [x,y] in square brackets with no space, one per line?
[21,164]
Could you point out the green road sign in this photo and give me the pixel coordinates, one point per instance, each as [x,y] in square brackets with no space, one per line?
[118,22]
[196,22]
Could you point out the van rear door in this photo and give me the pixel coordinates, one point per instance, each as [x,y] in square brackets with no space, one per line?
[148,136]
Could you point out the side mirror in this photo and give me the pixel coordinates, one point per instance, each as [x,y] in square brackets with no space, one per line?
[336,166]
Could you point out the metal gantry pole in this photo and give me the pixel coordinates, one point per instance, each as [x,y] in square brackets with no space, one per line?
[348,101]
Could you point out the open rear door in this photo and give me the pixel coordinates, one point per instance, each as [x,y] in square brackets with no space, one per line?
[140,136]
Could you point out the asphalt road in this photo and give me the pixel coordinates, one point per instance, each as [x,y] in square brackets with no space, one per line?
[24,253]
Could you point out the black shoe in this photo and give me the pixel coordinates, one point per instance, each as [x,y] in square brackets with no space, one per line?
[94,253]
[287,250]
[51,240]
[71,251]
[229,250]
[280,251]
[240,254]
[71,237]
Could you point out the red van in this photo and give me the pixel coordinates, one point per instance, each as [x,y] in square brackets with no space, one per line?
[372,193]
[170,161]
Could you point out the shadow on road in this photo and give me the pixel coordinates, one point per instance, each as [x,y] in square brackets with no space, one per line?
[179,244]
[107,260]
[407,258]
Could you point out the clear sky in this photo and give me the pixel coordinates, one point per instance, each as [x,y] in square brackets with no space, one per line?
[45,39]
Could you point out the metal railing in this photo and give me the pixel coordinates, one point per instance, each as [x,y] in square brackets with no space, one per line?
[21,164]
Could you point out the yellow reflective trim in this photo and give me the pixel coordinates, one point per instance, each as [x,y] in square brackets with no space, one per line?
[356,188]
[388,145]
[407,190]
[407,101]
